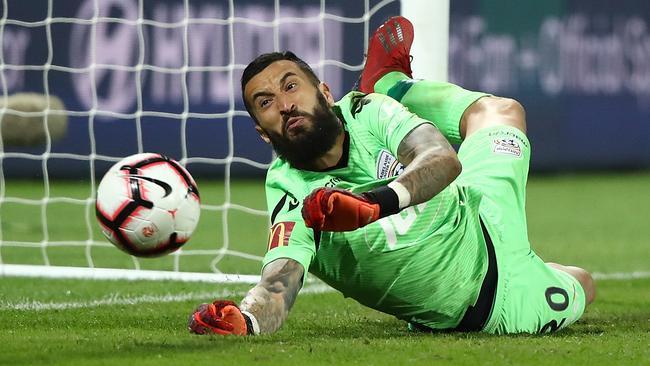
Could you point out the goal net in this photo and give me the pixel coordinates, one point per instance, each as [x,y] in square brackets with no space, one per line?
[88,82]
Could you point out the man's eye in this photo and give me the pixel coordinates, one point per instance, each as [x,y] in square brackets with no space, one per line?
[264,102]
[291,86]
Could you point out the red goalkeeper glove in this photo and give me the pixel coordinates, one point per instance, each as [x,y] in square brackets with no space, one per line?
[221,317]
[333,209]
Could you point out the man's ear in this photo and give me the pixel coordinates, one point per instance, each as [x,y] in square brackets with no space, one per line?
[325,89]
[263,134]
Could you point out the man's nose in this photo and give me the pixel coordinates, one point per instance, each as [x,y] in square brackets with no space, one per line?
[286,104]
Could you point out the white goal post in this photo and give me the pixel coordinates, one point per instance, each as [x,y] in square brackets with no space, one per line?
[160,47]
[431,43]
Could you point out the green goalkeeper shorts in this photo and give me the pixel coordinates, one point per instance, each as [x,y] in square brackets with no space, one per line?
[530,297]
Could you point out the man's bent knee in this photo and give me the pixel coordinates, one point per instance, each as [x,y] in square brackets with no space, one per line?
[492,111]
[584,277]
[587,283]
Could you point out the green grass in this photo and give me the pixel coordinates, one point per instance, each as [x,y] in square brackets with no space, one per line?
[599,222]
[75,221]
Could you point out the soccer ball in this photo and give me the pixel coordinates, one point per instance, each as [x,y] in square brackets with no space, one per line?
[148,205]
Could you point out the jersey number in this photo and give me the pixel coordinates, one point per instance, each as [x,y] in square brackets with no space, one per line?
[553,325]
[399,224]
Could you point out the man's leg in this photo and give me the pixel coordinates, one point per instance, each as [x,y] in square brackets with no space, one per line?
[531,296]
[444,104]
[495,160]
[456,112]
[582,276]
[491,111]
[536,297]
[388,71]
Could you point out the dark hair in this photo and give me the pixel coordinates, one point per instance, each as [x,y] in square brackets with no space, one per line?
[263,61]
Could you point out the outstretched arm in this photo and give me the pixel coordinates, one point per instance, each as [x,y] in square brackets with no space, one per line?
[264,308]
[271,299]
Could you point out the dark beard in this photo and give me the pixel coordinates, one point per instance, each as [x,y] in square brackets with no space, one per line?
[313,141]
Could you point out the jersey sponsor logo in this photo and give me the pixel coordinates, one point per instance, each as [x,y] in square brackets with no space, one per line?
[293,203]
[280,234]
[507,147]
[388,166]
[333,182]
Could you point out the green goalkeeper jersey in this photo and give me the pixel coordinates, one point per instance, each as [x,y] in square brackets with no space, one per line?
[425,264]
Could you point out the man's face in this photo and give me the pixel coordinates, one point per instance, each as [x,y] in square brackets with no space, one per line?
[293,114]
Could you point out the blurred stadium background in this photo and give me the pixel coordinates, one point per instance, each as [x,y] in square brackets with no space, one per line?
[163,76]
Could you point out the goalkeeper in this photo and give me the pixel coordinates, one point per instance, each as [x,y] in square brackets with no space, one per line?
[368,195]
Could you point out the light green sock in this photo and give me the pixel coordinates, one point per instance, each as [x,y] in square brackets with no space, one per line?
[383,85]
[439,102]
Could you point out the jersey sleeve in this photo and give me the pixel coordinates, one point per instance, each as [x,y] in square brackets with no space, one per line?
[388,120]
[288,236]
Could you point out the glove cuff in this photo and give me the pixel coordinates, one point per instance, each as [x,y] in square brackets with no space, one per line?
[252,326]
[387,199]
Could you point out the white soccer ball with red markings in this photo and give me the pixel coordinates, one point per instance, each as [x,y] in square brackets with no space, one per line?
[148,205]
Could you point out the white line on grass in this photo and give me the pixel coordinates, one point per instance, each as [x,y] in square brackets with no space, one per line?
[116,299]
[621,276]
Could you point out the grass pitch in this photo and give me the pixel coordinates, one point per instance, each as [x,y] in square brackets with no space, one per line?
[599,222]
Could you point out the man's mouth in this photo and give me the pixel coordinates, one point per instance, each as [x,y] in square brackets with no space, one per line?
[294,122]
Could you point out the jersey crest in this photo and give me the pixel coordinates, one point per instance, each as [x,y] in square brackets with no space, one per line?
[387,165]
